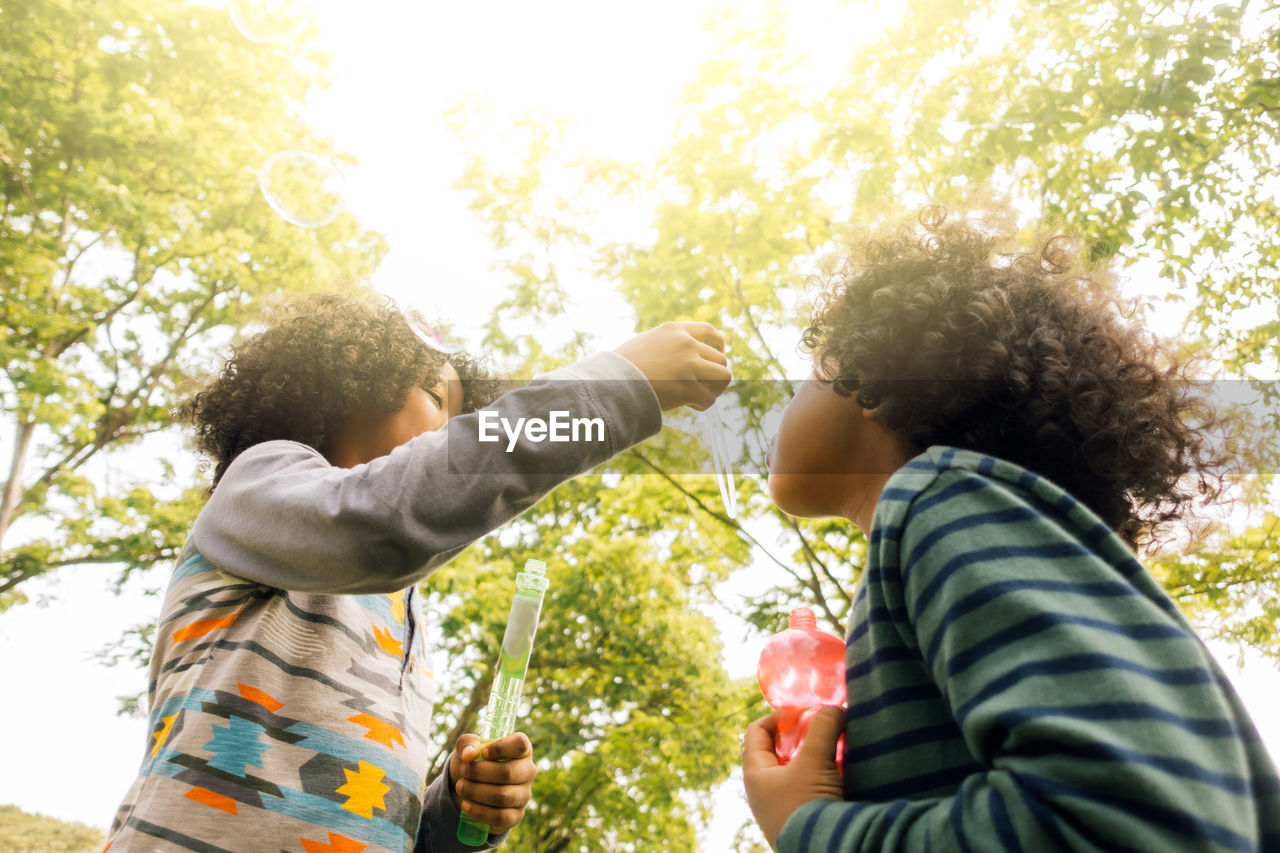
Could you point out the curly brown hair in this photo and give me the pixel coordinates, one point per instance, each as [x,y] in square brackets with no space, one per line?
[962,339]
[319,360]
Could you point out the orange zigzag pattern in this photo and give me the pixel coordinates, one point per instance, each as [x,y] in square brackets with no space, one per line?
[380,731]
[387,642]
[337,844]
[262,697]
[204,626]
[212,798]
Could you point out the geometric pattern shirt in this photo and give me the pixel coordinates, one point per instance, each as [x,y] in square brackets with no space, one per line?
[313,708]
[1018,681]
[290,699]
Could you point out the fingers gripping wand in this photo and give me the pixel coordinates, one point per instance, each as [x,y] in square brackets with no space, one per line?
[499,717]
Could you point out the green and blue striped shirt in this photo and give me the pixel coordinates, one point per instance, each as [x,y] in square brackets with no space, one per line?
[1017,681]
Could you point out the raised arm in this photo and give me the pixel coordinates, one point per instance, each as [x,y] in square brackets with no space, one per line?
[283,516]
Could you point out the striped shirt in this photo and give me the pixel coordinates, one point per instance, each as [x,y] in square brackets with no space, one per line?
[1017,681]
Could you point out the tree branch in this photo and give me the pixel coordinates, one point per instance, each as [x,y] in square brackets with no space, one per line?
[23,433]
[14,579]
[728,522]
[72,259]
[115,422]
[465,719]
[567,816]
[813,560]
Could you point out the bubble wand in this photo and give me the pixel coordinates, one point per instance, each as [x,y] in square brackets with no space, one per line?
[715,436]
[499,717]
[709,429]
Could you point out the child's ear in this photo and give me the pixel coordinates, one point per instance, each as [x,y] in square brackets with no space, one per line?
[872,413]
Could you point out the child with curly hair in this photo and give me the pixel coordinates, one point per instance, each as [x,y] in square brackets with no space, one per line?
[289,697]
[1016,679]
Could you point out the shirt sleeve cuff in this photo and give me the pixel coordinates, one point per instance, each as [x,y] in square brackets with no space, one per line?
[794,833]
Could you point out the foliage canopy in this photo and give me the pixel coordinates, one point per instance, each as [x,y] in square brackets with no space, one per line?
[132,238]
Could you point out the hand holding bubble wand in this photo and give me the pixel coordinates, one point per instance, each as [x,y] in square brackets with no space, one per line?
[499,718]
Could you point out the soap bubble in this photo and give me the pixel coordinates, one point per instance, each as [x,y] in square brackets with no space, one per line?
[269,21]
[437,340]
[305,189]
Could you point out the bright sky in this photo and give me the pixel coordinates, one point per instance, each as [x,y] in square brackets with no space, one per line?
[614,68]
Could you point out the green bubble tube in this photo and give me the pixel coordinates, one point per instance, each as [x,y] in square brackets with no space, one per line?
[499,717]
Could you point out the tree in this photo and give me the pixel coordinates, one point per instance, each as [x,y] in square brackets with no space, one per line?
[736,221]
[133,239]
[1138,128]
[1144,129]
[30,833]
[631,715]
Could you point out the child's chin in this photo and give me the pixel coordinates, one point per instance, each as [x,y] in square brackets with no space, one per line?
[789,495]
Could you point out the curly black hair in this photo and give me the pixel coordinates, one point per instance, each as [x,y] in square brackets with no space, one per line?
[963,339]
[319,360]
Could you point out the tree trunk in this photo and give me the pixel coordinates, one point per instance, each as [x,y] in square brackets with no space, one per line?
[13,486]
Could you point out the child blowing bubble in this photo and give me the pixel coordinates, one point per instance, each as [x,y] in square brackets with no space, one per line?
[1016,679]
[289,701]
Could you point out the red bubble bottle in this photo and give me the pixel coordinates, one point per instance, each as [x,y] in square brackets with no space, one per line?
[800,670]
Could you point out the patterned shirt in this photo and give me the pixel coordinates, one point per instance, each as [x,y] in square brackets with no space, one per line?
[1017,681]
[290,696]
[311,708]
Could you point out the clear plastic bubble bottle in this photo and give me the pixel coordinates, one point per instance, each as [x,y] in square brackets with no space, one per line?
[800,670]
[499,717]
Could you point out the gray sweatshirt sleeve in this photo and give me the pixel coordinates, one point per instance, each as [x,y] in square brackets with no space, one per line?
[283,516]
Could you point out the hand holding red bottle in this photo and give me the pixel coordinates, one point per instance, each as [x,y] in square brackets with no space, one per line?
[801,669]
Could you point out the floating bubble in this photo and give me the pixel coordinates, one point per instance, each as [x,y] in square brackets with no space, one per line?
[269,21]
[305,189]
[437,340]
